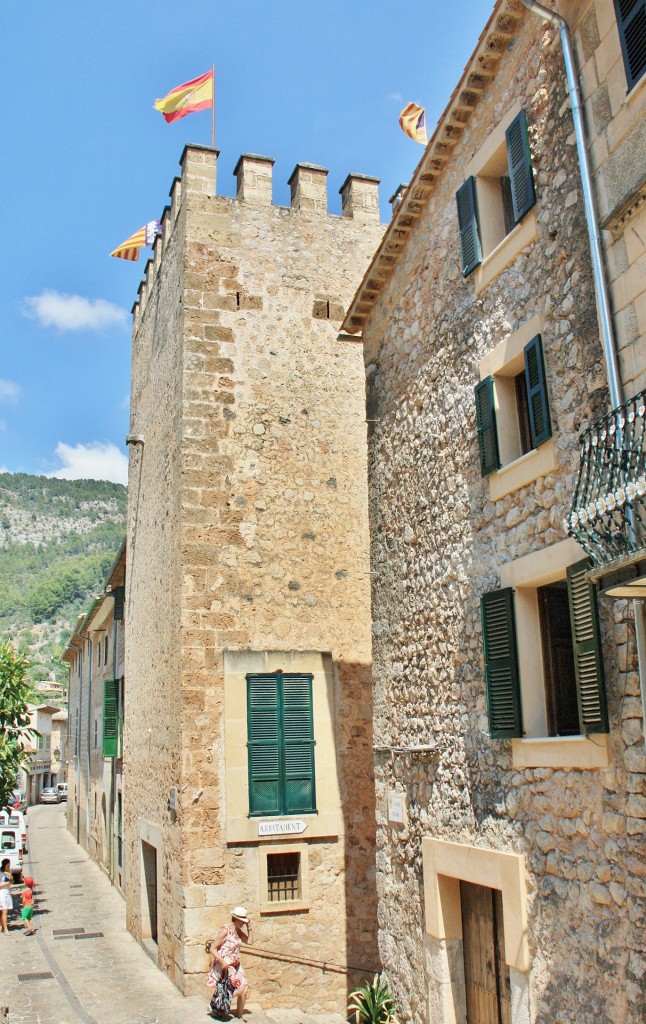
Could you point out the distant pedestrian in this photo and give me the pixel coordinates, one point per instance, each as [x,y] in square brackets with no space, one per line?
[226,976]
[27,899]
[6,901]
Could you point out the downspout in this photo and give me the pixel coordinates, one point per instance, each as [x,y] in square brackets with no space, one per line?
[592,220]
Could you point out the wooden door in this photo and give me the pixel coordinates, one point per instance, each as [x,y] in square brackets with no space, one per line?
[485,971]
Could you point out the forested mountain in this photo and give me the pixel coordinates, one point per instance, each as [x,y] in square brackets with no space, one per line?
[58,539]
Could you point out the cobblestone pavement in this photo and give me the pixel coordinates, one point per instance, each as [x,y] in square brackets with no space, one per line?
[95,979]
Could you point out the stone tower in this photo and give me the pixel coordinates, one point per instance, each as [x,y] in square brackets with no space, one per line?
[248,586]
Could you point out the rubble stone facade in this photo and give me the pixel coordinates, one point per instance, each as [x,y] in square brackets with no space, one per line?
[555,824]
[248,554]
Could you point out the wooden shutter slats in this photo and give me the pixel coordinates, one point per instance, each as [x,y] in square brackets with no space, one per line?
[281,743]
[539,410]
[501,663]
[470,247]
[586,641]
[631,22]
[487,427]
[110,717]
[519,160]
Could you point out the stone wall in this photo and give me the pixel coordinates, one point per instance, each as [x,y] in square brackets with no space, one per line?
[248,520]
[438,542]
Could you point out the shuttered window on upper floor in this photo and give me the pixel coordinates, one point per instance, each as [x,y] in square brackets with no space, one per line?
[280,730]
[586,710]
[522,412]
[492,202]
[631,22]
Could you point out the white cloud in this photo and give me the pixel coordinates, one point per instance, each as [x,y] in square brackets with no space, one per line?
[95,461]
[396,97]
[8,391]
[73,312]
[3,425]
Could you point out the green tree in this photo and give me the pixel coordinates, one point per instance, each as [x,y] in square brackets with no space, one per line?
[15,694]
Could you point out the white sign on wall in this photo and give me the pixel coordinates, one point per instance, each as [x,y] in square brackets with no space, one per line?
[281,828]
[396,807]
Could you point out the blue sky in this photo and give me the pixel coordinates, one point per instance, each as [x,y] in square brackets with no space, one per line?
[88,162]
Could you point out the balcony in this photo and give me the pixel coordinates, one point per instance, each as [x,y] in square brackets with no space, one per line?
[608,516]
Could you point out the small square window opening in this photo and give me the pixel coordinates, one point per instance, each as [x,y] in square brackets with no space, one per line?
[283,877]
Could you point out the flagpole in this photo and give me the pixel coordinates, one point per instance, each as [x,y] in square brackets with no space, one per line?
[213,110]
[215,161]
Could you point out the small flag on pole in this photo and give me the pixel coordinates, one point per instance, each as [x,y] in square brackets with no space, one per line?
[187,98]
[129,250]
[413,121]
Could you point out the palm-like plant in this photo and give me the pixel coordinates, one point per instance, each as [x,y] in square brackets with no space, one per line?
[373,1003]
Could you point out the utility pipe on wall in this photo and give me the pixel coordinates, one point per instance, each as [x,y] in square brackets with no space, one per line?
[594,233]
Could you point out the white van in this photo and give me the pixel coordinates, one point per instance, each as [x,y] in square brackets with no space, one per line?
[61,789]
[11,847]
[17,820]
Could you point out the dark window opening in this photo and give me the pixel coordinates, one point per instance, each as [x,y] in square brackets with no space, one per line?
[522,407]
[283,877]
[558,660]
[507,204]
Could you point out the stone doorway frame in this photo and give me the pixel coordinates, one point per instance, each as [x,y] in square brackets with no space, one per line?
[445,865]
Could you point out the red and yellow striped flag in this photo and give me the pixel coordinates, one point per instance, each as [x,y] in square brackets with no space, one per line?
[187,98]
[129,250]
[413,121]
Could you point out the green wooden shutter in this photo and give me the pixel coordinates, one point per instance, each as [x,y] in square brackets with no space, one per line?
[519,158]
[539,409]
[263,729]
[119,596]
[468,224]
[298,735]
[487,431]
[586,640]
[501,663]
[110,719]
[631,21]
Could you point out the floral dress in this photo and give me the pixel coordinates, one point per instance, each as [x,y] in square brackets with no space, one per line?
[230,953]
[6,900]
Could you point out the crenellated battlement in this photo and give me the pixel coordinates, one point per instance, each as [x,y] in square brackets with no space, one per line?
[254,181]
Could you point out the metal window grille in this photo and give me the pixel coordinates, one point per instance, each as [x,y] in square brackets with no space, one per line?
[283,876]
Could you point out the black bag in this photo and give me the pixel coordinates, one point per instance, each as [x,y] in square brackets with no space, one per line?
[221,998]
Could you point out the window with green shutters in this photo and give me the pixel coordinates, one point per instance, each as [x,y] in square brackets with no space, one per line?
[631,22]
[494,200]
[280,730]
[530,405]
[110,717]
[502,676]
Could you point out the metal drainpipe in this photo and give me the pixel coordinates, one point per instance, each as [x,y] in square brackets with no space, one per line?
[594,234]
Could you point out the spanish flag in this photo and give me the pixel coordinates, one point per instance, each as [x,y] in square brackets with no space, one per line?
[413,121]
[188,98]
[129,250]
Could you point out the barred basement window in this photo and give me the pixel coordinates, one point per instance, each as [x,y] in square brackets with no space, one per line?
[283,877]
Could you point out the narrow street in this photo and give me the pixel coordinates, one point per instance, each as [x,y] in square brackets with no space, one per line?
[82,965]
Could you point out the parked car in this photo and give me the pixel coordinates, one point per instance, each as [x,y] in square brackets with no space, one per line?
[61,788]
[49,795]
[11,847]
[17,820]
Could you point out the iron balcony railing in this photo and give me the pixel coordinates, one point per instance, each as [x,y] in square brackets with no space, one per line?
[608,516]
